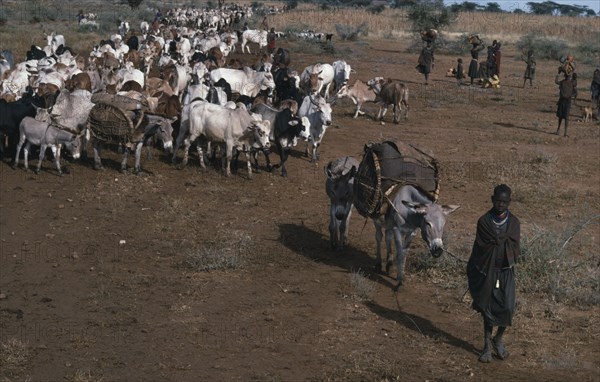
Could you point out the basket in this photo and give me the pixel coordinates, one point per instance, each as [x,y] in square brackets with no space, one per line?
[387,165]
[110,123]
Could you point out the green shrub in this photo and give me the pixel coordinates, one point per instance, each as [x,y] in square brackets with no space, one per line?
[350,32]
[543,47]
[376,9]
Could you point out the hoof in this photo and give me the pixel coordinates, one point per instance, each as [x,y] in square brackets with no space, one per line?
[99,168]
[397,287]
[37,171]
[499,349]
[61,174]
[486,356]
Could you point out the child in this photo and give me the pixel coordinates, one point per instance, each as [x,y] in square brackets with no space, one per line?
[460,74]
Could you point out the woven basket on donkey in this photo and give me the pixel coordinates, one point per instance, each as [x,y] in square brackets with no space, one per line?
[388,164]
[112,124]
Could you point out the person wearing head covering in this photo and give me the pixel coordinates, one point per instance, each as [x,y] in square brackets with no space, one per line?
[565,86]
[474,66]
[497,57]
[426,61]
[529,69]
[490,271]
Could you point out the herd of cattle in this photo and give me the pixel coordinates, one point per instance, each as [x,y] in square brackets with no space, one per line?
[177,77]
[177,72]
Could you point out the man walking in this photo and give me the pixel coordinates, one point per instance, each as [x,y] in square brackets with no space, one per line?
[490,271]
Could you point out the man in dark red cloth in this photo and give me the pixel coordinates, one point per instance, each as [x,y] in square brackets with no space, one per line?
[490,270]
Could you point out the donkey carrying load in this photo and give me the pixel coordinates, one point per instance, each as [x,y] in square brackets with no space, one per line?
[397,185]
[123,121]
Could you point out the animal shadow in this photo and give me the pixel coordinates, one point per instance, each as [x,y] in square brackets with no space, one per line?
[313,245]
[420,325]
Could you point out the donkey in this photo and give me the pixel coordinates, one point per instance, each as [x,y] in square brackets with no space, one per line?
[43,134]
[154,125]
[411,208]
[340,189]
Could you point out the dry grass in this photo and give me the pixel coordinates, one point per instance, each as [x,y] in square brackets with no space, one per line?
[83,376]
[363,287]
[225,254]
[14,357]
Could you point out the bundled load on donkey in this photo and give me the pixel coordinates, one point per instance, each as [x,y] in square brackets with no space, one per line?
[385,167]
[115,118]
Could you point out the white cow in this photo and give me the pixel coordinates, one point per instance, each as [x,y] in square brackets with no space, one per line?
[315,77]
[245,82]
[54,41]
[129,73]
[318,112]
[341,74]
[233,128]
[256,36]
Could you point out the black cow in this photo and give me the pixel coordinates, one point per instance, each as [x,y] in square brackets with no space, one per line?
[133,43]
[223,84]
[11,115]
[35,53]
[61,49]
[285,87]
[286,132]
[281,59]
[198,57]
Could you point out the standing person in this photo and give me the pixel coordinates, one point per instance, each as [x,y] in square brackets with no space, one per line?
[530,69]
[490,62]
[595,89]
[490,270]
[565,87]
[474,66]
[497,57]
[271,41]
[460,73]
[265,24]
[426,61]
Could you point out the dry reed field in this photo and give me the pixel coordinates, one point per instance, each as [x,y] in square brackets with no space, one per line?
[187,275]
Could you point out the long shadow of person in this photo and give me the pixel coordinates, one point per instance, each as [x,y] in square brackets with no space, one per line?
[420,325]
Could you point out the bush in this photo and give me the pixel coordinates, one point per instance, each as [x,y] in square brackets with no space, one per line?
[293,4]
[376,9]
[363,287]
[225,254]
[429,16]
[548,267]
[542,47]
[351,33]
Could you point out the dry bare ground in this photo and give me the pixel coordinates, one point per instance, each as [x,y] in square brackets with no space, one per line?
[188,275]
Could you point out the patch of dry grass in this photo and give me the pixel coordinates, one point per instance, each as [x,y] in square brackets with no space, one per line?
[14,357]
[225,253]
[363,288]
[83,376]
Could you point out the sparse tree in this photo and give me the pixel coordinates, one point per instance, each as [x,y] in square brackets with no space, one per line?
[134,3]
[493,7]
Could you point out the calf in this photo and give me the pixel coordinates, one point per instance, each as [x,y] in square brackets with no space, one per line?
[390,93]
[32,131]
[340,189]
[359,93]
